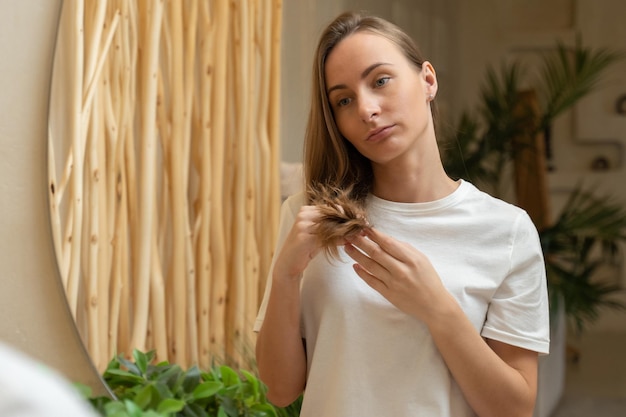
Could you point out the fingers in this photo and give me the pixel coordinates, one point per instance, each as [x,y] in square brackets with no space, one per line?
[373,264]
[388,244]
[364,260]
[378,247]
[373,281]
[300,246]
[378,256]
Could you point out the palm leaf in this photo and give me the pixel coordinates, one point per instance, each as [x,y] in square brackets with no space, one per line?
[569,74]
[587,214]
[583,238]
[579,295]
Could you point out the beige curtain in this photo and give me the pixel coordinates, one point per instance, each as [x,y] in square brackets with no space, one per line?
[164,156]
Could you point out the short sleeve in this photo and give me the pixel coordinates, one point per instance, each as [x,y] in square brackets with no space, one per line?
[519,310]
[288,212]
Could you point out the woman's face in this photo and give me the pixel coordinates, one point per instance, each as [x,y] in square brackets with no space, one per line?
[380,101]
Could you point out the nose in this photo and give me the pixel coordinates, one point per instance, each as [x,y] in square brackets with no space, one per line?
[369,107]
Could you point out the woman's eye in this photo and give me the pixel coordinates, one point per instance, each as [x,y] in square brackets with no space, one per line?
[382,81]
[343,102]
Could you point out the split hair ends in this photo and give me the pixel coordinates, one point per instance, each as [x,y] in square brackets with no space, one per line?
[341,216]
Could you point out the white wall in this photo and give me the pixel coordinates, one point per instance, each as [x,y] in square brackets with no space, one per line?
[33,311]
[303,21]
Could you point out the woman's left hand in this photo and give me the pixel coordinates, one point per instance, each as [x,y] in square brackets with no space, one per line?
[398,271]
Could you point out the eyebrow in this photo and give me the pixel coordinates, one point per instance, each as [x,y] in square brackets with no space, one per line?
[364,74]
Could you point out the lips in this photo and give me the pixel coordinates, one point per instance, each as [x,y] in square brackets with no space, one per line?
[379,133]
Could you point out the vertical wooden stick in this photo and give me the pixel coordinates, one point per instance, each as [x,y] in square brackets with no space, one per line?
[130,48]
[119,266]
[93,277]
[236,292]
[203,254]
[274,129]
[218,249]
[149,73]
[157,302]
[177,193]
[76,133]
[189,30]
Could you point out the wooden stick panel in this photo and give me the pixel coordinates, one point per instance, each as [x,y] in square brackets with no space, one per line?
[164,193]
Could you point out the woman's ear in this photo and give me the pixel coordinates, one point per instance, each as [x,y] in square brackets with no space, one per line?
[430,78]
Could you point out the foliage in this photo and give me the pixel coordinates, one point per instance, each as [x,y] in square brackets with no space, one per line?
[584,238]
[587,232]
[485,141]
[144,389]
[569,75]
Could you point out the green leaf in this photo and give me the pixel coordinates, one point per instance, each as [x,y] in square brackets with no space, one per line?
[254,382]
[130,366]
[144,397]
[133,409]
[162,391]
[125,374]
[207,389]
[171,375]
[170,405]
[114,407]
[141,360]
[194,410]
[229,376]
[263,410]
[192,379]
[152,413]
[569,74]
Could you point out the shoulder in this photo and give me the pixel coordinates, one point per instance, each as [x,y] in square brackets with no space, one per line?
[290,207]
[496,214]
[293,203]
[484,202]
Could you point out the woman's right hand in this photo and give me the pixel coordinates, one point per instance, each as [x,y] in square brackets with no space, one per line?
[280,353]
[300,246]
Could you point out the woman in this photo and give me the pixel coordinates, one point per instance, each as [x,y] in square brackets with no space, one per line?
[440,308]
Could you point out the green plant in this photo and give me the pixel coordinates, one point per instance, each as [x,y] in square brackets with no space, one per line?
[587,232]
[583,239]
[144,389]
[485,141]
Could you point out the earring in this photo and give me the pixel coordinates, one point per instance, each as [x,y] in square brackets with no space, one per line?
[431,97]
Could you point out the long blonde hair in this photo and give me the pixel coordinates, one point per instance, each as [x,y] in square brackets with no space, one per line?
[329,159]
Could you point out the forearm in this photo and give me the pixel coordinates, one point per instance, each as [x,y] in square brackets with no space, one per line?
[491,386]
[280,352]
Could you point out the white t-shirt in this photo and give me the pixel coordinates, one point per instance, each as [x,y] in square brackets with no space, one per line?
[366,357]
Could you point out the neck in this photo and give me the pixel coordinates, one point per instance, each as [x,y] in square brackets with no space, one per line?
[413,187]
[413,180]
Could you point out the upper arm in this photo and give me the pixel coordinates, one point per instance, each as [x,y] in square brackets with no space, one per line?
[522,360]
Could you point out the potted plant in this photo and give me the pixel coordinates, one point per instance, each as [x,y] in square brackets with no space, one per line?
[142,388]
